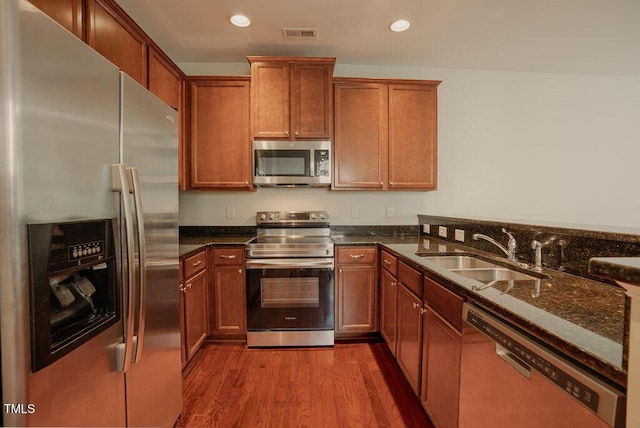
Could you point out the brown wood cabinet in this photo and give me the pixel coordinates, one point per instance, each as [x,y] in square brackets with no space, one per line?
[441,354]
[220,146]
[291,97]
[357,291]
[409,327]
[68,13]
[227,301]
[193,287]
[385,134]
[388,299]
[116,37]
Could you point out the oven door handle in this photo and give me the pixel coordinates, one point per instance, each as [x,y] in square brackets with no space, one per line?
[325,263]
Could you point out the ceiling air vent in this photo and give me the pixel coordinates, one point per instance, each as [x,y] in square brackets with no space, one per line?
[299,33]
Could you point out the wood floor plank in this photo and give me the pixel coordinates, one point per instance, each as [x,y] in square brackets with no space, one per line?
[354,385]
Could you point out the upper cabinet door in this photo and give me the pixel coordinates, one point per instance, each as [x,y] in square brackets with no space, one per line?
[67,13]
[413,136]
[116,39]
[360,145]
[270,99]
[291,98]
[165,81]
[311,100]
[219,133]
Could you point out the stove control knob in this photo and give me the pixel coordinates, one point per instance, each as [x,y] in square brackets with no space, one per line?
[263,217]
[313,216]
[322,216]
[272,216]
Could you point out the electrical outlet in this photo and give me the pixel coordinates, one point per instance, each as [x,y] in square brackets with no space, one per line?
[459,235]
[426,228]
[442,231]
[391,212]
[355,212]
[231,212]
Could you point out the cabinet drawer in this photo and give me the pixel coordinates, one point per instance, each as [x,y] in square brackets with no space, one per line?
[195,264]
[356,255]
[410,277]
[446,303]
[389,262]
[227,256]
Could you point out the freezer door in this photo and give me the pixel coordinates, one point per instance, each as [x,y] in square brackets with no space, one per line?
[66,135]
[149,138]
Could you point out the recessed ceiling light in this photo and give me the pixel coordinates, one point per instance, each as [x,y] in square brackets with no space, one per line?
[399,25]
[240,20]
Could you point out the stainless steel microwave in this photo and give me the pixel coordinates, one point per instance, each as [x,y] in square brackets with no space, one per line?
[291,163]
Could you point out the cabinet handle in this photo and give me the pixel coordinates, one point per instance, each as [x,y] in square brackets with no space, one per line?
[339,270]
[423,311]
[387,262]
[198,263]
[240,271]
[224,256]
[286,133]
[381,183]
[188,286]
[415,305]
[246,184]
[393,283]
[356,256]
[391,183]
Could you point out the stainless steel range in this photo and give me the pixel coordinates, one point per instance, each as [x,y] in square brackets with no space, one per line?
[290,280]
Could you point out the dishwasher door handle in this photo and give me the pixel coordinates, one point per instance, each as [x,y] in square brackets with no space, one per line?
[523,368]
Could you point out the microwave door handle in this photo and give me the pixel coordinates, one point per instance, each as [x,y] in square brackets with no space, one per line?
[142,275]
[123,350]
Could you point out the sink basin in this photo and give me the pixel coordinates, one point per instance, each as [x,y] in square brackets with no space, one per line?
[460,262]
[493,274]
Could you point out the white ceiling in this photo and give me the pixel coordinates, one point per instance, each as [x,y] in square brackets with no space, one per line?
[556,36]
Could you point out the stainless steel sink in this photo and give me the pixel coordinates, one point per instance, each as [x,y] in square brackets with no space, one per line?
[460,262]
[492,274]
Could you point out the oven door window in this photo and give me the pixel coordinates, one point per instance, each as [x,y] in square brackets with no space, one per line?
[289,163]
[290,292]
[290,299]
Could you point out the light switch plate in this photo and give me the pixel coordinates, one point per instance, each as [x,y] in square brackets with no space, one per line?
[442,231]
[426,228]
[459,235]
[231,212]
[391,212]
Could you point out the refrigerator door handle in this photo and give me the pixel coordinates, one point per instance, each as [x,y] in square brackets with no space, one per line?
[142,276]
[122,185]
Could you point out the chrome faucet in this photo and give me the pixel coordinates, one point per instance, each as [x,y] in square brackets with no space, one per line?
[509,250]
[537,246]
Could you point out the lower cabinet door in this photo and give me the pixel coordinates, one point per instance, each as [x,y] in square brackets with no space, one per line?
[409,339]
[228,317]
[356,300]
[441,371]
[195,312]
[388,300]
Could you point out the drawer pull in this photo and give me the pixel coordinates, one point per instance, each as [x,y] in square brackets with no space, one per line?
[224,256]
[198,263]
[356,256]
[387,262]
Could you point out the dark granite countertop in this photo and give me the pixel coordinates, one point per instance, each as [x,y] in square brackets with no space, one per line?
[191,244]
[580,317]
[622,269]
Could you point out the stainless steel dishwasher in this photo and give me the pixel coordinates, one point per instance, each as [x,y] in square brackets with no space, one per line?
[508,379]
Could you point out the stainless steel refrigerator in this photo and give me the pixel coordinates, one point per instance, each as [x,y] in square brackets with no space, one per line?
[81,143]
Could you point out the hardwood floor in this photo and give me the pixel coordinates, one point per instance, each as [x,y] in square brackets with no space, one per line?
[354,384]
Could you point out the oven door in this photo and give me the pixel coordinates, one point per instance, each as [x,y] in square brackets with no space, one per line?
[289,295]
